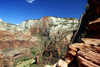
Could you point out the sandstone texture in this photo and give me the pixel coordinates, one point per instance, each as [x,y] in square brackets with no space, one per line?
[86,53]
[51,36]
[44,35]
[5,61]
[52,28]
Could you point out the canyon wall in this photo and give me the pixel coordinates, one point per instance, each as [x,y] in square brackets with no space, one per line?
[85,51]
[42,34]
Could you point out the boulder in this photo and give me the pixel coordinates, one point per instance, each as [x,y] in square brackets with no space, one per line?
[47,66]
[62,63]
[95,25]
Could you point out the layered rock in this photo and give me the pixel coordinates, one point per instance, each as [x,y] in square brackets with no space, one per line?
[18,53]
[5,61]
[54,49]
[51,25]
[17,44]
[94,29]
[2,27]
[87,52]
[28,23]
[6,35]
[36,33]
[44,26]
[59,40]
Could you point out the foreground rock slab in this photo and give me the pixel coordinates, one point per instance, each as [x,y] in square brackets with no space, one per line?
[60,63]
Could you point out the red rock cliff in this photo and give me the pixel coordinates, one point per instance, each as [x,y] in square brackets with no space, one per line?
[87,52]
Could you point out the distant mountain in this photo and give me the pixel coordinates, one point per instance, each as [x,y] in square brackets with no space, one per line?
[51,27]
[44,25]
[48,34]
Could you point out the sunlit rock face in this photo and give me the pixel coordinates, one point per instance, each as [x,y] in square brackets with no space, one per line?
[46,25]
[28,23]
[43,33]
[87,52]
[5,61]
[54,28]
[59,32]
[2,27]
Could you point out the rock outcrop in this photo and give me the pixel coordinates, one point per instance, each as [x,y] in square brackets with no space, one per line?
[5,61]
[86,53]
[42,34]
[52,27]
[2,27]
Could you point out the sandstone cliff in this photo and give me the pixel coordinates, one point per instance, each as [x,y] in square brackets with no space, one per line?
[52,28]
[86,51]
[44,35]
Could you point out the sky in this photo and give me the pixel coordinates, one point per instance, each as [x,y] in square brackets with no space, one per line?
[16,11]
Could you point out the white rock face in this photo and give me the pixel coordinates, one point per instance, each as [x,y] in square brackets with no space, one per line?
[53,25]
[57,21]
[7,26]
[19,29]
[2,27]
[62,24]
[28,23]
[62,63]
[47,66]
[51,20]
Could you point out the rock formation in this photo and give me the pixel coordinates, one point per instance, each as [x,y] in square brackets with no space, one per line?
[5,61]
[86,53]
[42,34]
[10,33]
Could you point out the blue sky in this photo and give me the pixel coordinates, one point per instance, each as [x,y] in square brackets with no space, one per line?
[16,11]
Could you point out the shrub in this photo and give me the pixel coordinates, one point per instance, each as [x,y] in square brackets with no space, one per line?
[87,7]
[33,51]
[39,35]
[21,59]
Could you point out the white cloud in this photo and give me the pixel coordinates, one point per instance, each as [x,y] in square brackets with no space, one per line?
[17,24]
[30,1]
